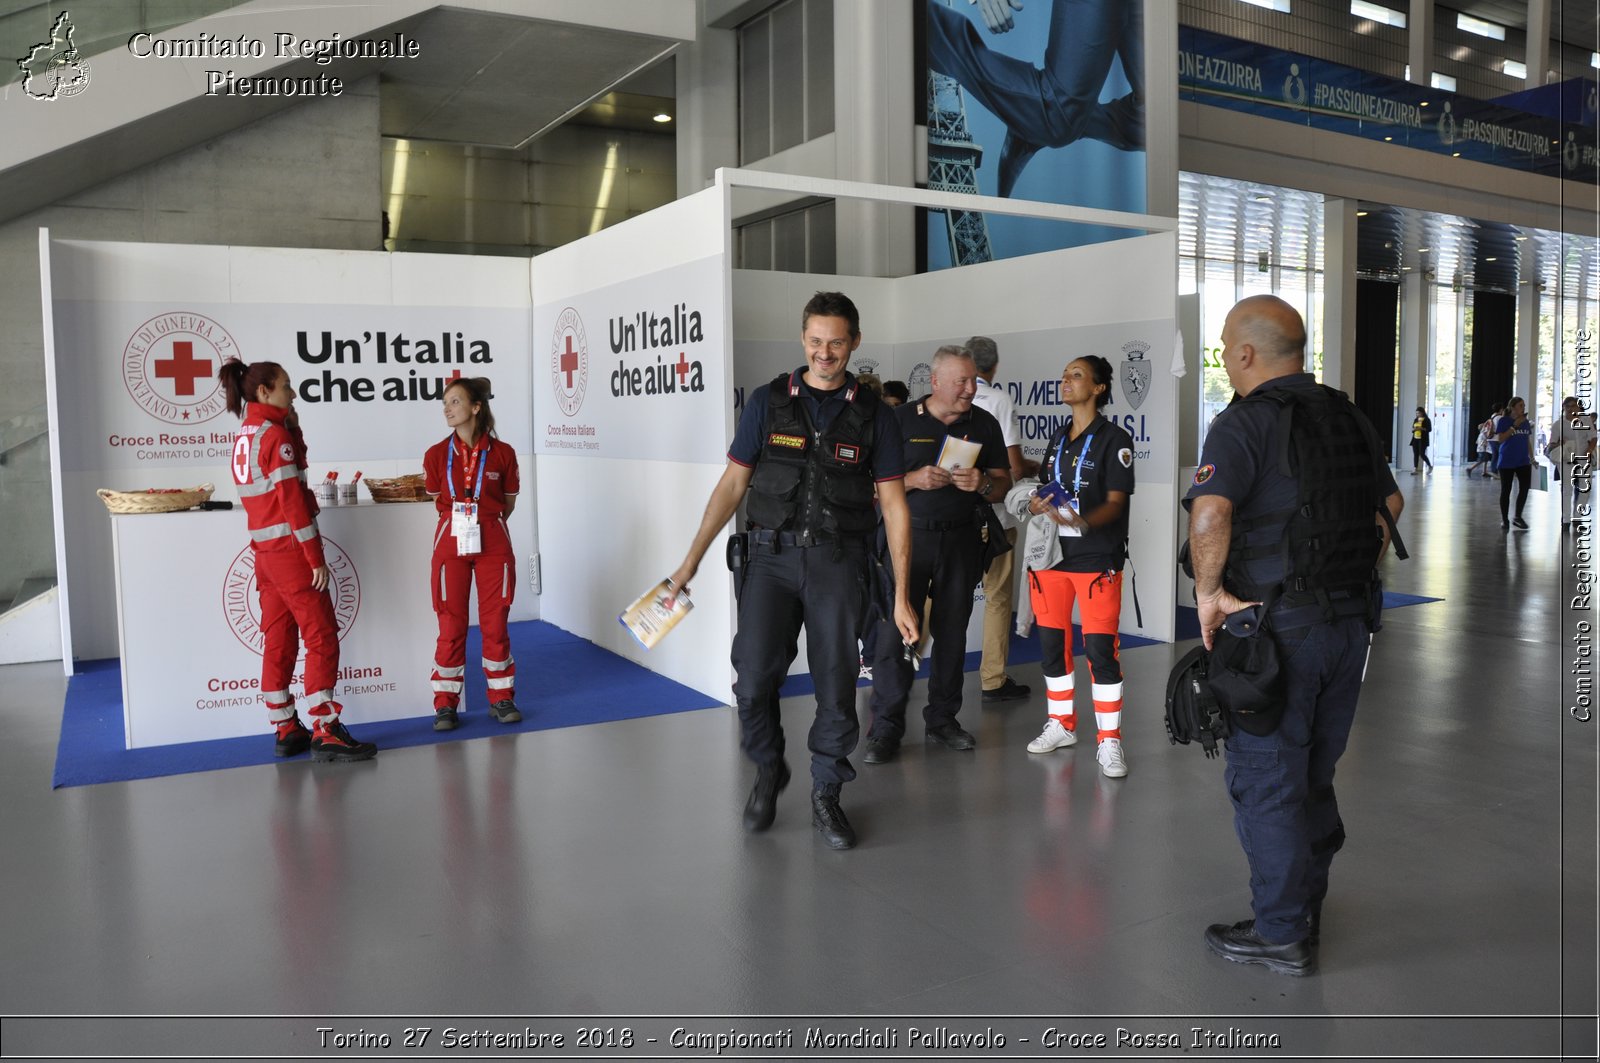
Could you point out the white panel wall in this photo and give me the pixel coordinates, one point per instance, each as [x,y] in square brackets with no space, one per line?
[261,298]
[614,526]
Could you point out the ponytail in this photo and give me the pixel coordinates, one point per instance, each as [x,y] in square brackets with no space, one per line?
[240,382]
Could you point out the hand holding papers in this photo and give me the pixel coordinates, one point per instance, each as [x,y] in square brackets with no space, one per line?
[958,454]
[656,612]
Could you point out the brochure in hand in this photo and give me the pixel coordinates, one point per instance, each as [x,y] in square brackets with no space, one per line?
[649,618]
[958,453]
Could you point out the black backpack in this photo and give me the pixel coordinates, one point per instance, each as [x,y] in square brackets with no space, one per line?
[1329,542]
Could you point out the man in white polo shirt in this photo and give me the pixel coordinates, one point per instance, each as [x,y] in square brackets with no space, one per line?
[997,581]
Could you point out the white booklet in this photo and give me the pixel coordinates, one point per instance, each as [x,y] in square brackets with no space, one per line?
[959,453]
[649,618]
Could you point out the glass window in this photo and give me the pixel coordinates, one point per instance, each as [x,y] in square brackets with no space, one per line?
[785,77]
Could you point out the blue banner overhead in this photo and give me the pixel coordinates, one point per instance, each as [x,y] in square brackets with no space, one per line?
[1291,87]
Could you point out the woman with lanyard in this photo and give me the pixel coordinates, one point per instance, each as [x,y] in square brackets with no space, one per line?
[472,477]
[1091,462]
[269,472]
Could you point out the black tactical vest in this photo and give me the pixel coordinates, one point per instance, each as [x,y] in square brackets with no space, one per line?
[1328,543]
[811,481]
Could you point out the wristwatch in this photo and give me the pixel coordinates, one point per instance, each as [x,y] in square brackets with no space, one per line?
[985,486]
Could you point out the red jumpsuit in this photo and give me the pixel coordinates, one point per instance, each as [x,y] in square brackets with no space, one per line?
[494,567]
[269,471]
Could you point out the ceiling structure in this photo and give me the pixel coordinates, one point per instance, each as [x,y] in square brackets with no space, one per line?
[1576,22]
[524,77]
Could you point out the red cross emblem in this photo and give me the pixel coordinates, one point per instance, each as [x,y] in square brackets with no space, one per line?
[170,364]
[569,361]
[183,368]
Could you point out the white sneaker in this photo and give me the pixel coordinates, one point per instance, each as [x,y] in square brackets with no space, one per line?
[1054,736]
[1112,766]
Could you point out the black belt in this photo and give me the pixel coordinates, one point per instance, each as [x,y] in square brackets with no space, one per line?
[941,525]
[766,537]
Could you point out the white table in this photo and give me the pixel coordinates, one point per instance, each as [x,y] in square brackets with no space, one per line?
[188,618]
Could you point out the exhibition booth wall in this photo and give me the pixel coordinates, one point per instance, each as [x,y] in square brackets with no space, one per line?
[620,364]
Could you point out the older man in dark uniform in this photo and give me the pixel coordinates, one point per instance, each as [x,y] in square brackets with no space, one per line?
[1243,531]
[809,449]
[948,500]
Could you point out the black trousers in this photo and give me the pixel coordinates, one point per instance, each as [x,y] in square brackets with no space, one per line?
[945,566]
[1419,455]
[824,589]
[1523,475]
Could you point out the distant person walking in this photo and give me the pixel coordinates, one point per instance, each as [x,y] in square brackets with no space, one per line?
[1421,434]
[1515,462]
[1485,455]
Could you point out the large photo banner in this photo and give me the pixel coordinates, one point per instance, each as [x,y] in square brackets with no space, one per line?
[369,341]
[1042,101]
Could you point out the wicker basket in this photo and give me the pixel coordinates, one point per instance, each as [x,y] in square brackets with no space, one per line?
[409,488]
[156,499]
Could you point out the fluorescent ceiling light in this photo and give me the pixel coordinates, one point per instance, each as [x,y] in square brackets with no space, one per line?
[663,117]
[1378,13]
[1594,60]
[1516,69]
[1480,27]
[1271,5]
[1443,81]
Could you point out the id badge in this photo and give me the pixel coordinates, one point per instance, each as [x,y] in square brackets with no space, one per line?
[469,540]
[1069,533]
[463,515]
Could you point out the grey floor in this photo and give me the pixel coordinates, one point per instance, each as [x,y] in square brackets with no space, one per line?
[602,870]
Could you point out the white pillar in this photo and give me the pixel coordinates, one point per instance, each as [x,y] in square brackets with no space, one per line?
[1419,41]
[873,134]
[707,106]
[1416,348]
[1528,348]
[1339,294]
[1537,57]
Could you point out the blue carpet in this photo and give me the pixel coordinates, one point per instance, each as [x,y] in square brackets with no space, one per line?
[562,681]
[1023,651]
[1187,625]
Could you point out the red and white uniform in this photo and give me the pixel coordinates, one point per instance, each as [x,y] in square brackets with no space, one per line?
[269,472]
[494,568]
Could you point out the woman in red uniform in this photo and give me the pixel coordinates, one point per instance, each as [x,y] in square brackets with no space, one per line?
[473,479]
[269,471]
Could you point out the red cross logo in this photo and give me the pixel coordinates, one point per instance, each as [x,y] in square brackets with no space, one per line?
[683,370]
[183,368]
[569,361]
[169,365]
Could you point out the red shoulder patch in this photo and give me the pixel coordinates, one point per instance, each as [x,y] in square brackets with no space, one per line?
[1204,473]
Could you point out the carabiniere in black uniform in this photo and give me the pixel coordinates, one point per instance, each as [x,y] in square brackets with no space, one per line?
[947,560]
[810,518]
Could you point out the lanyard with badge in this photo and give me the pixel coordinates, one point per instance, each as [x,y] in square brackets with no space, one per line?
[464,515]
[1077,476]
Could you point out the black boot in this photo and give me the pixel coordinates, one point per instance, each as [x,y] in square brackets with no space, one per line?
[762,807]
[1241,944]
[828,818]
